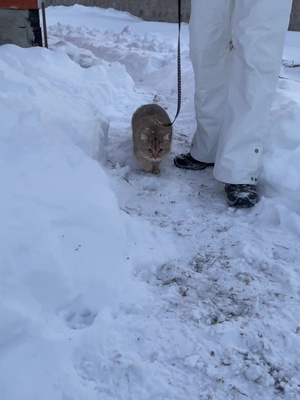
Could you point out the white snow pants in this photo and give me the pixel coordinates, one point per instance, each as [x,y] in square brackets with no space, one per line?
[236,49]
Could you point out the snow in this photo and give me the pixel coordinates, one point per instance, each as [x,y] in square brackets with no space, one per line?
[117,284]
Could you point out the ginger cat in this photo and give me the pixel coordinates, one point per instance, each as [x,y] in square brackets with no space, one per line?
[151,139]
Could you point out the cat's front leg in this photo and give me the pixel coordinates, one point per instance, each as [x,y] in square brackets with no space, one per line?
[147,165]
[155,168]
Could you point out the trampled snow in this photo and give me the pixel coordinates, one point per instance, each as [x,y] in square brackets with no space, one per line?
[117,284]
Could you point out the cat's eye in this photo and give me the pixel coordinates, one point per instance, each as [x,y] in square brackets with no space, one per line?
[160,151]
[150,151]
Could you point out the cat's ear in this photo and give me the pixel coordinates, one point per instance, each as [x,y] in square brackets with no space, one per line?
[166,136]
[144,137]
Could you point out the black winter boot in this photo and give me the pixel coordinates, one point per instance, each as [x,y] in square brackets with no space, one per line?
[241,196]
[186,161]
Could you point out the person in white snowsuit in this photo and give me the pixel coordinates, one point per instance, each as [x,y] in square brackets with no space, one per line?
[235,48]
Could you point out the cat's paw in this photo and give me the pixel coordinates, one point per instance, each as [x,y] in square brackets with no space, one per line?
[155,171]
[155,168]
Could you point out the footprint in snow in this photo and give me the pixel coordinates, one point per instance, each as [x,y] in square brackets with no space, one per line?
[81,319]
[79,315]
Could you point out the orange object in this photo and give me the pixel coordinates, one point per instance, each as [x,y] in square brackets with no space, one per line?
[20,4]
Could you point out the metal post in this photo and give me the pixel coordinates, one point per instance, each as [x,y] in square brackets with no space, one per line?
[44,24]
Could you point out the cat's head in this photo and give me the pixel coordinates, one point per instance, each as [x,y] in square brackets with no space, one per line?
[155,143]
